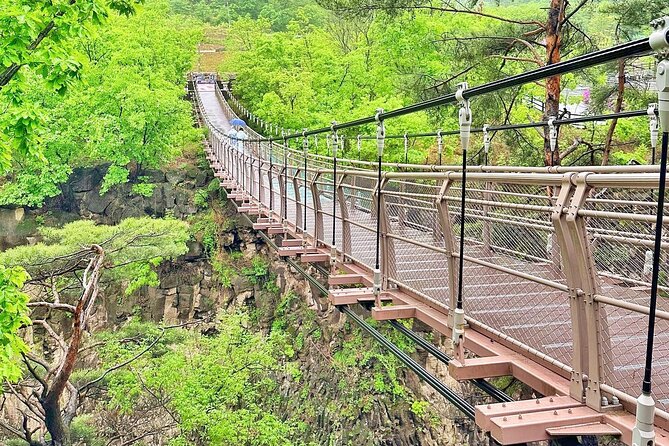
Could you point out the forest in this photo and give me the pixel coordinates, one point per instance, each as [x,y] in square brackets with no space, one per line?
[135,308]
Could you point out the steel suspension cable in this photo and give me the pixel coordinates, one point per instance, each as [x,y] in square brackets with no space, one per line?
[334,186]
[380,143]
[632,48]
[305,144]
[657,252]
[285,181]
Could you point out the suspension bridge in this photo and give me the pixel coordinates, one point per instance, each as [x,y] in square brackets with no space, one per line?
[557,276]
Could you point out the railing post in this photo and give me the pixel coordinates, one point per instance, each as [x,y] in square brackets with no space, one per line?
[318,210]
[388,267]
[590,288]
[566,245]
[283,209]
[449,244]
[261,188]
[298,200]
[572,238]
[345,224]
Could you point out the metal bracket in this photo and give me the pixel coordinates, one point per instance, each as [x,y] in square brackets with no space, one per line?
[552,133]
[335,139]
[380,132]
[486,139]
[659,41]
[406,147]
[464,116]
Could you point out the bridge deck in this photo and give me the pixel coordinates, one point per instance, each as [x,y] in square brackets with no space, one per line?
[527,313]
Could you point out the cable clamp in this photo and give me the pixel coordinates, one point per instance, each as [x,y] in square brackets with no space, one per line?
[486,138]
[552,133]
[335,139]
[464,116]
[440,142]
[377,283]
[458,332]
[380,132]
[653,124]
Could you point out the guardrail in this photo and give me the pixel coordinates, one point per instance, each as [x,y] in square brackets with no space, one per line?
[557,260]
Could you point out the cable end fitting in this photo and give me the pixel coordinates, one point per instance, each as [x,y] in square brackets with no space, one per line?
[464,116]
[552,133]
[643,433]
[458,332]
[659,41]
[377,282]
[380,132]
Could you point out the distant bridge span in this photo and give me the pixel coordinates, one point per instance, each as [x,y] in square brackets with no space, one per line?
[555,279]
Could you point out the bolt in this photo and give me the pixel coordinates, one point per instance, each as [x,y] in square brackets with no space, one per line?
[605,401]
[569,411]
[520,417]
[660,69]
[538,401]
[615,400]
[504,419]
[488,406]
[551,399]
[555,412]
[503,404]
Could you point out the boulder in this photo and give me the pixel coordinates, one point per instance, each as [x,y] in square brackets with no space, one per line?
[84,179]
[154,175]
[195,250]
[94,202]
[175,177]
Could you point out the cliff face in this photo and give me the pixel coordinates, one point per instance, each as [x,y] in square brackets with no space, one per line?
[344,395]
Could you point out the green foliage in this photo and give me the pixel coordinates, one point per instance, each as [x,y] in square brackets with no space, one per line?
[205,230]
[143,189]
[125,106]
[41,37]
[115,175]
[306,74]
[258,272]
[83,431]
[419,408]
[201,198]
[134,248]
[13,315]
[217,385]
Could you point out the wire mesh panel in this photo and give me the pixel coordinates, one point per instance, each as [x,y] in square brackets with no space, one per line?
[509,241]
[331,212]
[515,277]
[420,261]
[358,195]
[622,250]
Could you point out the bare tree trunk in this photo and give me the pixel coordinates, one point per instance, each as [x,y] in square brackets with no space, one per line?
[618,106]
[553,44]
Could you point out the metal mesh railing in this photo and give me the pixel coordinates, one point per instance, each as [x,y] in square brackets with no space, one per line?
[520,244]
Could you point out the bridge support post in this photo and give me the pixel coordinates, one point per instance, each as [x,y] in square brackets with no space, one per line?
[298,201]
[318,210]
[589,331]
[449,244]
[571,246]
[345,223]
[388,268]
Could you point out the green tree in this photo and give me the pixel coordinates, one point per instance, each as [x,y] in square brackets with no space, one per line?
[127,108]
[40,35]
[13,316]
[216,388]
[65,282]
